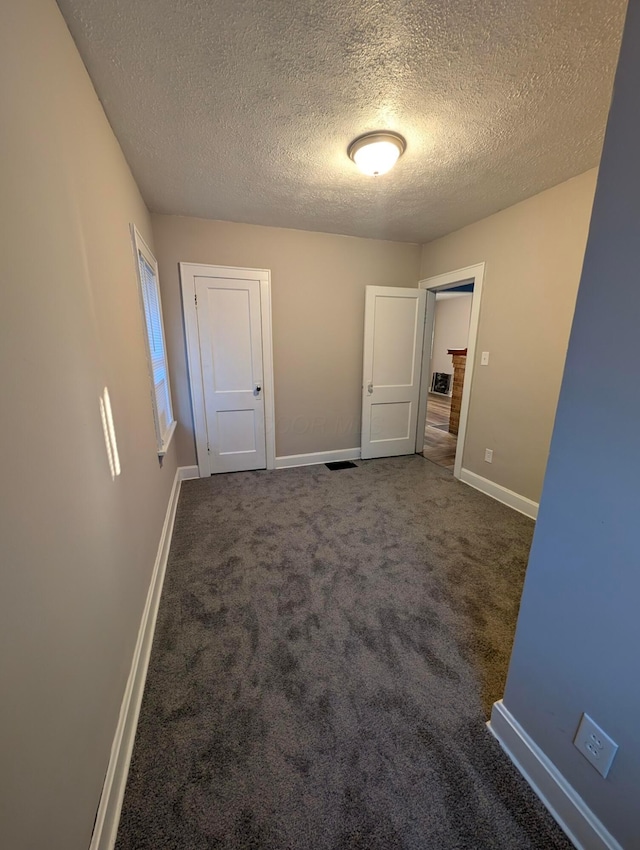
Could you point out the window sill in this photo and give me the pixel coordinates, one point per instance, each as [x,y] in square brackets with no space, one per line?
[164,448]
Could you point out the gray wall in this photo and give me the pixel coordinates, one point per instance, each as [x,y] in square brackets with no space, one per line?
[76,548]
[577,646]
[533,253]
[318,283]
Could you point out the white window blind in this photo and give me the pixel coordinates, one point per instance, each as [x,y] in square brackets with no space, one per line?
[158,369]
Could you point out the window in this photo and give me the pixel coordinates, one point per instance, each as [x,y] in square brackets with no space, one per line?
[156,350]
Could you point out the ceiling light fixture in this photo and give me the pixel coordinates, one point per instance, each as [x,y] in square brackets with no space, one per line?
[376,153]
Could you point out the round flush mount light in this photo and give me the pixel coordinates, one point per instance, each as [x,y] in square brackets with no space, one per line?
[376,153]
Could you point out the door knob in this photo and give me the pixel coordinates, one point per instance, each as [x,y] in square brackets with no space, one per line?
[370,387]
[257,389]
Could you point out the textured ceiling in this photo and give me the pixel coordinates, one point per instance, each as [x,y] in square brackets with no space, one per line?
[243,109]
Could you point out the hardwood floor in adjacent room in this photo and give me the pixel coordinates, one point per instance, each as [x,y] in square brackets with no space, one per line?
[439,444]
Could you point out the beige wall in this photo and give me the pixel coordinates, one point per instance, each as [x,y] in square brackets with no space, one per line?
[533,253]
[451,330]
[318,283]
[76,548]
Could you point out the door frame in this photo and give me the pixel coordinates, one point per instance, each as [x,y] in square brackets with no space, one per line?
[440,283]
[188,273]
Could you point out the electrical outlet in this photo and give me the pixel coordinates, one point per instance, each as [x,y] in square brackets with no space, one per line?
[484,359]
[488,455]
[595,745]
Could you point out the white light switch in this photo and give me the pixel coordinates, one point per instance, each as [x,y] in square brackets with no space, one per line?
[484,360]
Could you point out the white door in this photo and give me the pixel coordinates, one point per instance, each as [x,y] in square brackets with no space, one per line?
[230,343]
[393,338]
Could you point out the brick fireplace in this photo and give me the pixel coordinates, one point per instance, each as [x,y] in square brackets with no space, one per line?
[459,356]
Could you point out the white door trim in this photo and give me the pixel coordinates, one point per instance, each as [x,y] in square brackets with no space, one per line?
[188,273]
[470,274]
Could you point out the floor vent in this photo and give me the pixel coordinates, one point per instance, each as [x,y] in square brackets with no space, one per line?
[340,464]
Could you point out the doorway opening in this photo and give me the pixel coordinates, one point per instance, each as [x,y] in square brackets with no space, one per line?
[448,359]
[451,326]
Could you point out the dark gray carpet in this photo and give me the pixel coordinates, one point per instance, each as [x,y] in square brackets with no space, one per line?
[327,649]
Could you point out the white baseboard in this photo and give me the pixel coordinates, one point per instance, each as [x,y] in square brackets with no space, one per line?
[186,473]
[108,816]
[569,809]
[317,457]
[501,494]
